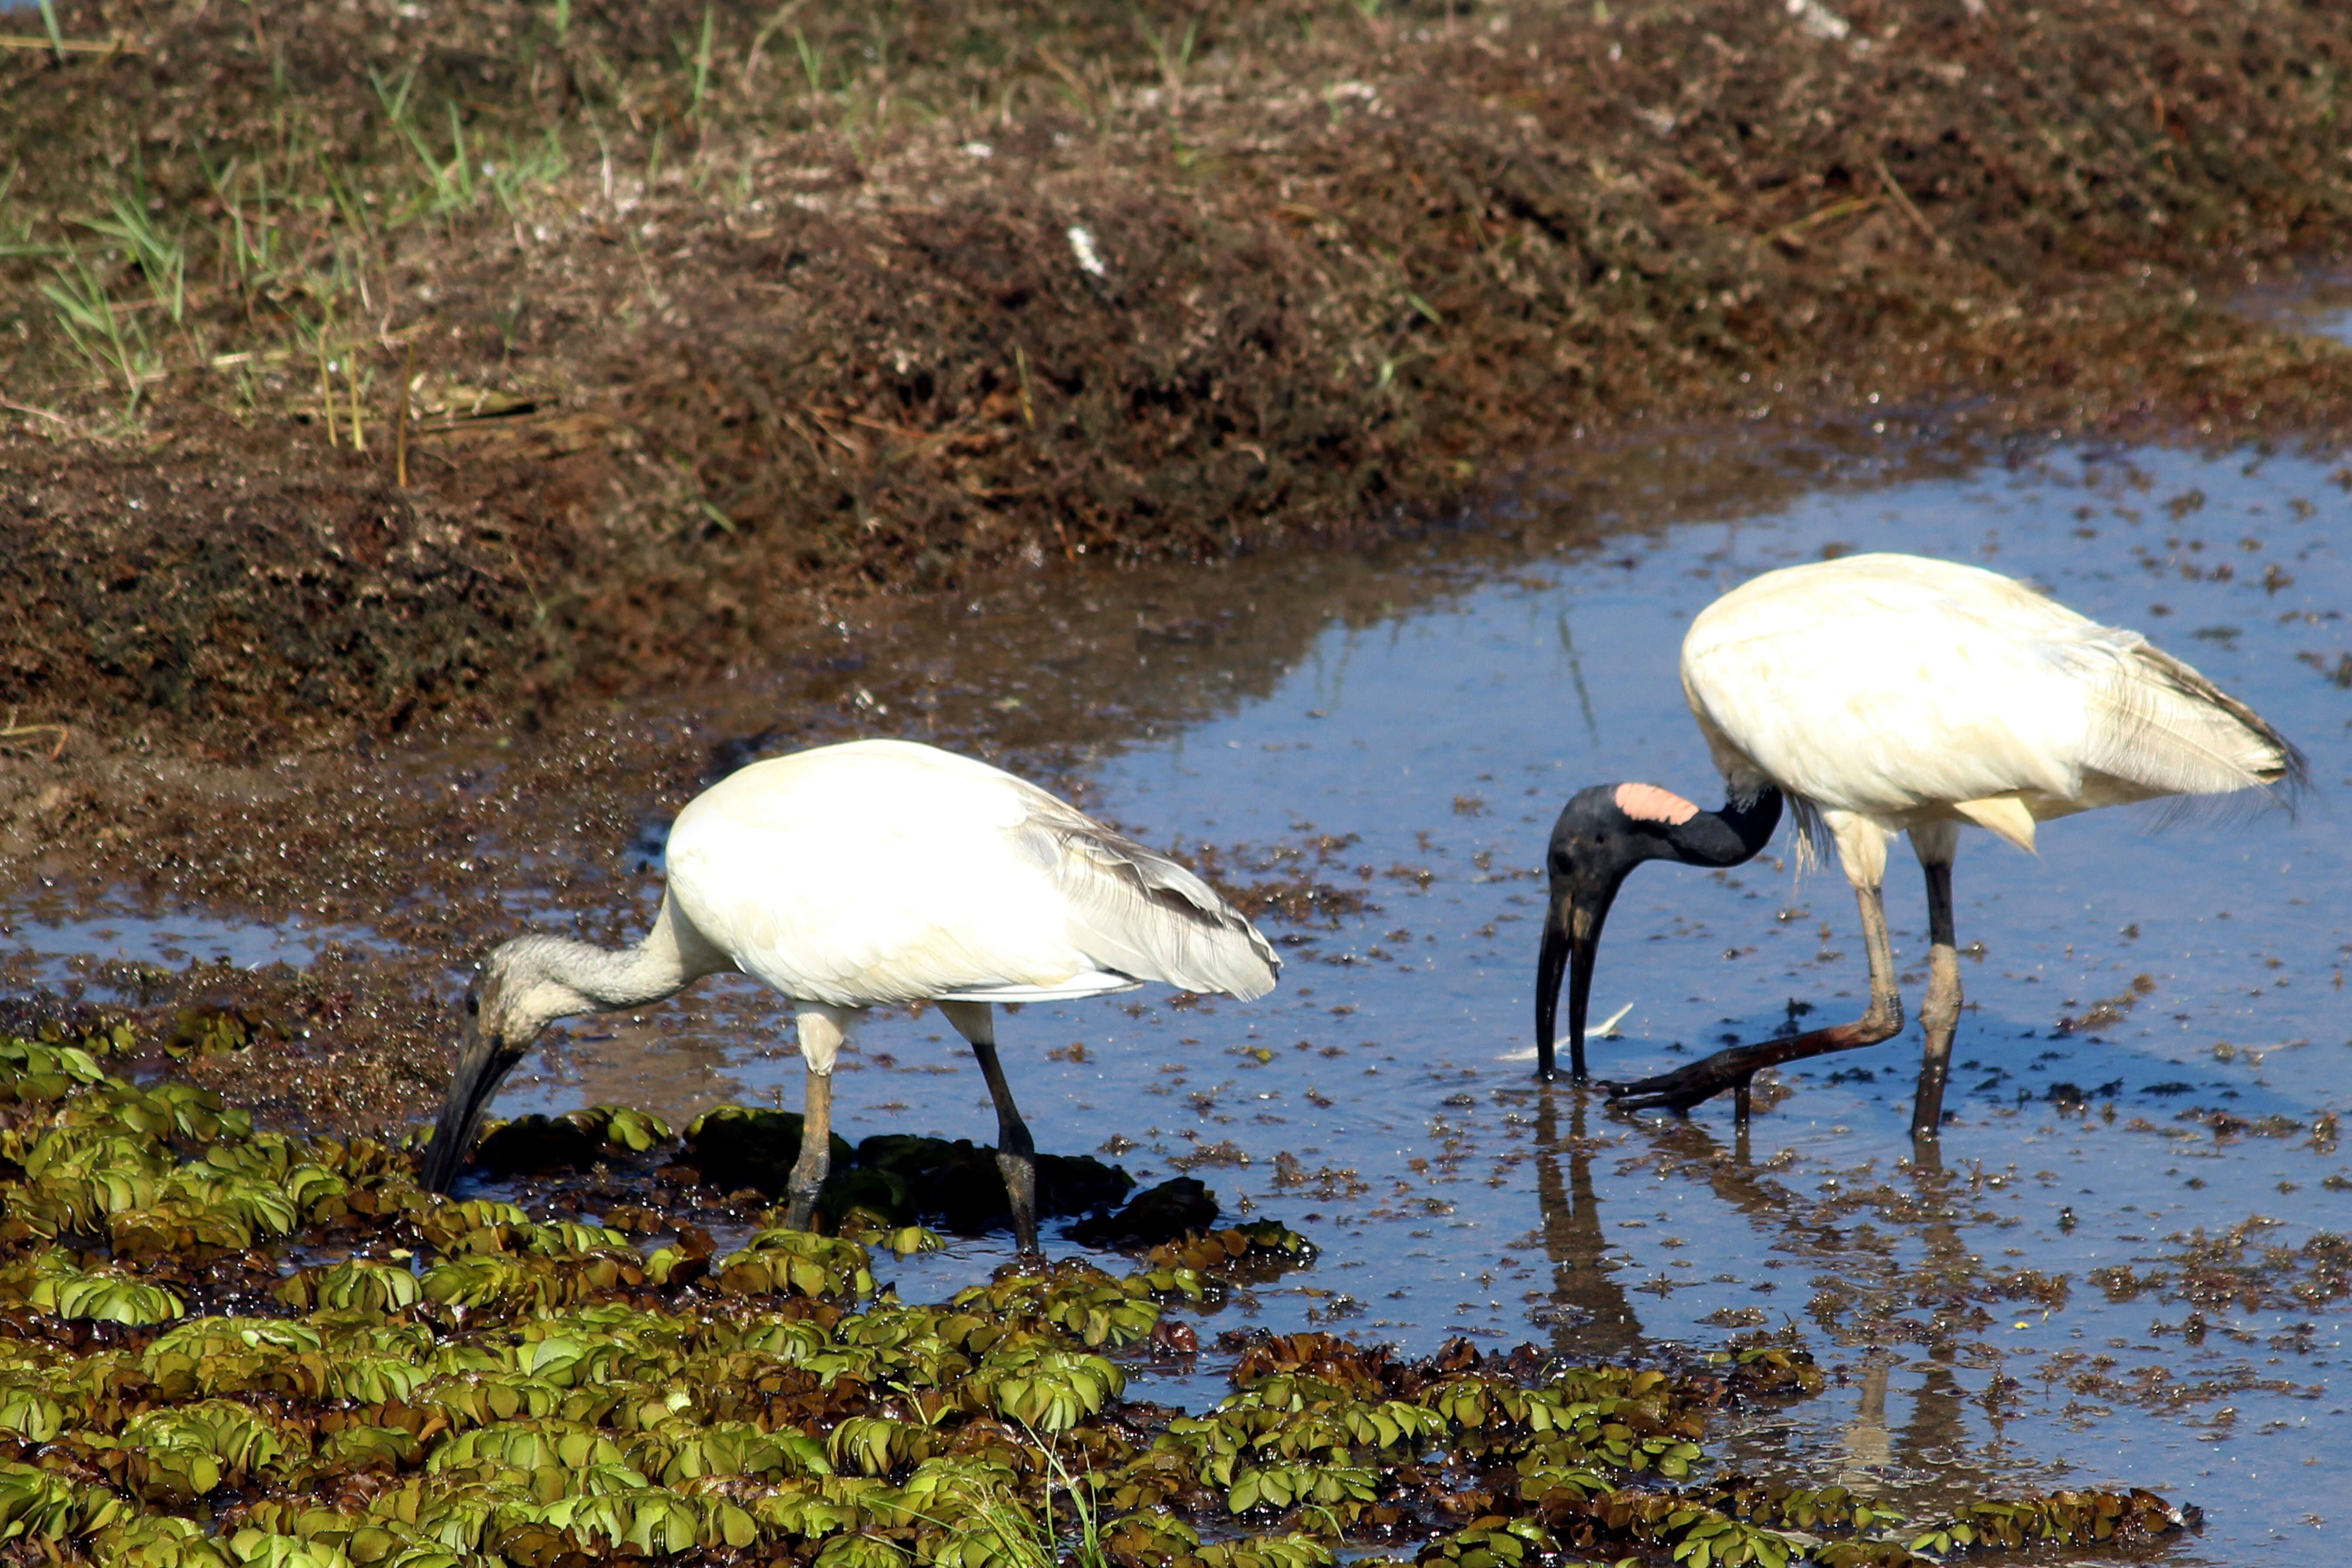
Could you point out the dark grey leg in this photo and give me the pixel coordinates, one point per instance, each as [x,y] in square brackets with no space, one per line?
[1939,1010]
[1016,1155]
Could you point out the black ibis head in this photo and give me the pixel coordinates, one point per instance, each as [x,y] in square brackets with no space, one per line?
[1602,835]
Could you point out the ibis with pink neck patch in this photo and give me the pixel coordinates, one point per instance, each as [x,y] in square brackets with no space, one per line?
[2005,707]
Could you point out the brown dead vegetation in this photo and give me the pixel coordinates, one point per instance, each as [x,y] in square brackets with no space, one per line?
[517,351]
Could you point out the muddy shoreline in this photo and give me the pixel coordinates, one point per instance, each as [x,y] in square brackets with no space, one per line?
[790,415]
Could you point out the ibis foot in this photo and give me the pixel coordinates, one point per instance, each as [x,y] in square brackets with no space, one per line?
[800,1213]
[1685,1087]
[1735,1067]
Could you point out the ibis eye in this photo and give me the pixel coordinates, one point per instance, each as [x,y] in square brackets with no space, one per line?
[473,1005]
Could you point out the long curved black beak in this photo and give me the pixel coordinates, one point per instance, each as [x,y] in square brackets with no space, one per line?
[1571,938]
[482,1065]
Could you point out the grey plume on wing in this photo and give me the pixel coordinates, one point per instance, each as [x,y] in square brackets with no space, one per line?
[1138,912]
[2171,731]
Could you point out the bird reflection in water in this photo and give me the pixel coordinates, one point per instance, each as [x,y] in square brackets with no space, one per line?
[1934,1440]
[1591,1318]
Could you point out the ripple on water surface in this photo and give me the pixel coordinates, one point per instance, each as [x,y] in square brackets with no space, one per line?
[2124,1271]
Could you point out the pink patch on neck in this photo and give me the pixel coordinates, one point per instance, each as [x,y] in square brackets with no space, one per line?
[1648,803]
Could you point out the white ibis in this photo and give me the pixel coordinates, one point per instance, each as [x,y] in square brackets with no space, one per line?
[869,874]
[1880,694]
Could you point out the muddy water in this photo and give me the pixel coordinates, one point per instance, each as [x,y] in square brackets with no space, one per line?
[2157,1025]
[58,939]
[1447,740]
[2200,967]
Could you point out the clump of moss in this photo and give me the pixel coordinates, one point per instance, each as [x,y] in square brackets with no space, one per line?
[231,1346]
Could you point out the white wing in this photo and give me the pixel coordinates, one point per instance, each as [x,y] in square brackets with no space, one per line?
[1886,684]
[1138,912]
[885,871]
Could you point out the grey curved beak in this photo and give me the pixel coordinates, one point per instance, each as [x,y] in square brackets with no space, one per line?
[482,1065]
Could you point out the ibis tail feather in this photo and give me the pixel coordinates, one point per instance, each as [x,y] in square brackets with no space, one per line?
[1138,912]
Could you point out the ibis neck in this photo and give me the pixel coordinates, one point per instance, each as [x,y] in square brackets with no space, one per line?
[604,978]
[672,957]
[1729,837]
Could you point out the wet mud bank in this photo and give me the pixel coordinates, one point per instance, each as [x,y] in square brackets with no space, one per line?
[552,355]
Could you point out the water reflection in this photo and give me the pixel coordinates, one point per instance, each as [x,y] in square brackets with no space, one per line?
[47,938]
[1591,1318]
[2319,302]
[1866,1448]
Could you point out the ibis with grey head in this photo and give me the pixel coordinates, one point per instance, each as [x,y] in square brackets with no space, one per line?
[1878,694]
[874,873]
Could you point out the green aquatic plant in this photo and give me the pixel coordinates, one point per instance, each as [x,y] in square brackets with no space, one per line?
[41,1505]
[235,1347]
[795,1261]
[1046,1386]
[204,1030]
[1074,1296]
[178,1452]
[38,1072]
[870,1229]
[50,1282]
[357,1284]
[1491,1543]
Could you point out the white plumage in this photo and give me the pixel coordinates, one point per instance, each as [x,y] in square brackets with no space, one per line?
[884,871]
[869,873]
[1884,694]
[1885,691]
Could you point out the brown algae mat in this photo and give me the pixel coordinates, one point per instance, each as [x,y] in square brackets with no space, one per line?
[229,1346]
[361,359]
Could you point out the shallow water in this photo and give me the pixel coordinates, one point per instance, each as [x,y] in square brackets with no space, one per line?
[1407,727]
[1453,1197]
[2319,302]
[49,937]
[1447,741]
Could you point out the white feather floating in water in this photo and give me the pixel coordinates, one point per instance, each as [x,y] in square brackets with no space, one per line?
[1608,1030]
